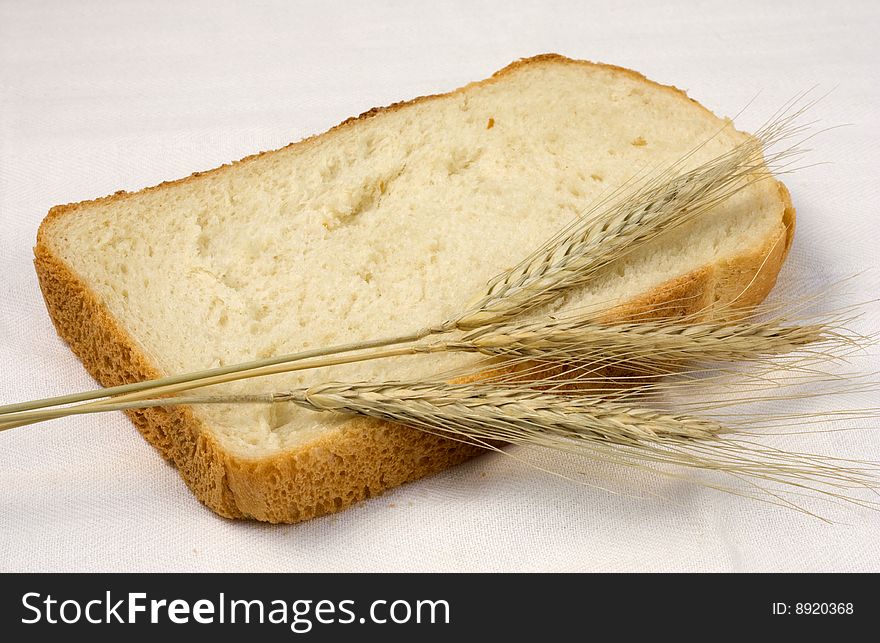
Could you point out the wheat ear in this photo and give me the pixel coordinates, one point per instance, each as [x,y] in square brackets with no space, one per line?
[621,433]
[667,342]
[615,432]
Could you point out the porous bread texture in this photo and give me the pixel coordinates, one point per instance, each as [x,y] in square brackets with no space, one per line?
[381,226]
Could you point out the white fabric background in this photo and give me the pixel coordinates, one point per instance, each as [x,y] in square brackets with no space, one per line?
[98,97]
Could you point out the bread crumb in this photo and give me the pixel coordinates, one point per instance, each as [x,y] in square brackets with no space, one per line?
[596,177]
[491,123]
[639,142]
[392,504]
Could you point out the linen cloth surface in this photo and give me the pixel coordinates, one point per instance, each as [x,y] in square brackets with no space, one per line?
[96,97]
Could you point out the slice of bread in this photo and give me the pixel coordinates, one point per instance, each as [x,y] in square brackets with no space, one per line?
[387,223]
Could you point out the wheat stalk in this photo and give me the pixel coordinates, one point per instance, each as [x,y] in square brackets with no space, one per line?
[636,215]
[584,347]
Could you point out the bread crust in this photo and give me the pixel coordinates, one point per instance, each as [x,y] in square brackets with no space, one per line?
[364,457]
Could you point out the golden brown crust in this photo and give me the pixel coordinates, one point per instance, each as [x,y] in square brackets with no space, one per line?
[364,457]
